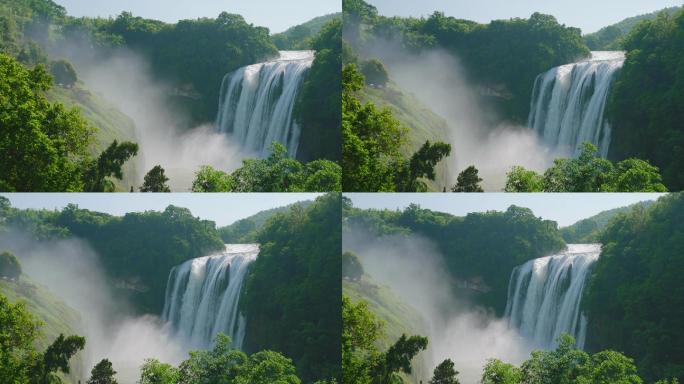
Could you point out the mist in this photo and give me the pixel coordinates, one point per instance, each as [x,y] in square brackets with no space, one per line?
[477,136]
[125,79]
[71,271]
[414,270]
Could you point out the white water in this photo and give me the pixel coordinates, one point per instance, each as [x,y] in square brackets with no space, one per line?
[544,296]
[202,296]
[257,102]
[569,102]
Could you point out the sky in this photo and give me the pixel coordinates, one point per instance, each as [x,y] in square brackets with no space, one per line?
[589,15]
[222,208]
[277,15]
[564,208]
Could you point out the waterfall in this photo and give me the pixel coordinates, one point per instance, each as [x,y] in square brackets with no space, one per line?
[257,102]
[544,295]
[568,103]
[202,296]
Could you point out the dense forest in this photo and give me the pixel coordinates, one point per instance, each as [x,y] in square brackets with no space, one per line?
[291,287]
[481,248]
[634,296]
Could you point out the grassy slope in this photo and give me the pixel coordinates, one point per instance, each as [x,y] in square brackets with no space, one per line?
[55,315]
[111,123]
[422,123]
[398,317]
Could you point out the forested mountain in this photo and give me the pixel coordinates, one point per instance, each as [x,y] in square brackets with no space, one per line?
[610,38]
[246,230]
[299,36]
[589,230]
[646,103]
[482,248]
[634,296]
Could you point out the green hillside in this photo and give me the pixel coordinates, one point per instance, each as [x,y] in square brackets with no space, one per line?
[299,36]
[589,230]
[610,38]
[55,315]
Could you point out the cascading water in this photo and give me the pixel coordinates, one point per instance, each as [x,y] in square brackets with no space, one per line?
[202,296]
[544,295]
[568,103]
[257,102]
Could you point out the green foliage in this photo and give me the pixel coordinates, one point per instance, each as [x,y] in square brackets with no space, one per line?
[63,73]
[506,54]
[371,146]
[498,372]
[9,265]
[43,146]
[589,230]
[646,102]
[351,266]
[318,104]
[56,357]
[155,181]
[468,181]
[155,372]
[374,72]
[108,164]
[362,363]
[292,293]
[299,37]
[588,173]
[610,38]
[633,297]
[102,373]
[484,246]
[18,329]
[276,173]
[445,373]
[141,248]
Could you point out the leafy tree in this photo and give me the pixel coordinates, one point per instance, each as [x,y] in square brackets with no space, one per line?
[588,173]
[372,139]
[56,358]
[63,73]
[102,373]
[351,266]
[445,373]
[276,173]
[498,372]
[374,72]
[9,265]
[468,181]
[155,372]
[18,330]
[43,145]
[155,181]
[108,164]
[398,357]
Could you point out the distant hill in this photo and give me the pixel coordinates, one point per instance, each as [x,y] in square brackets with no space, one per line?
[245,230]
[589,229]
[610,38]
[299,36]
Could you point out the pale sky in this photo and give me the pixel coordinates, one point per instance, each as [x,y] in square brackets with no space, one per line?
[564,208]
[277,15]
[589,15]
[223,208]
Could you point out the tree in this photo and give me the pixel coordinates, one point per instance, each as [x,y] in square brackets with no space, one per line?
[56,357]
[468,181]
[351,266]
[520,179]
[103,373]
[445,373]
[208,179]
[155,372]
[108,164]
[44,147]
[18,331]
[64,73]
[498,372]
[9,265]
[374,72]
[155,181]
[421,165]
